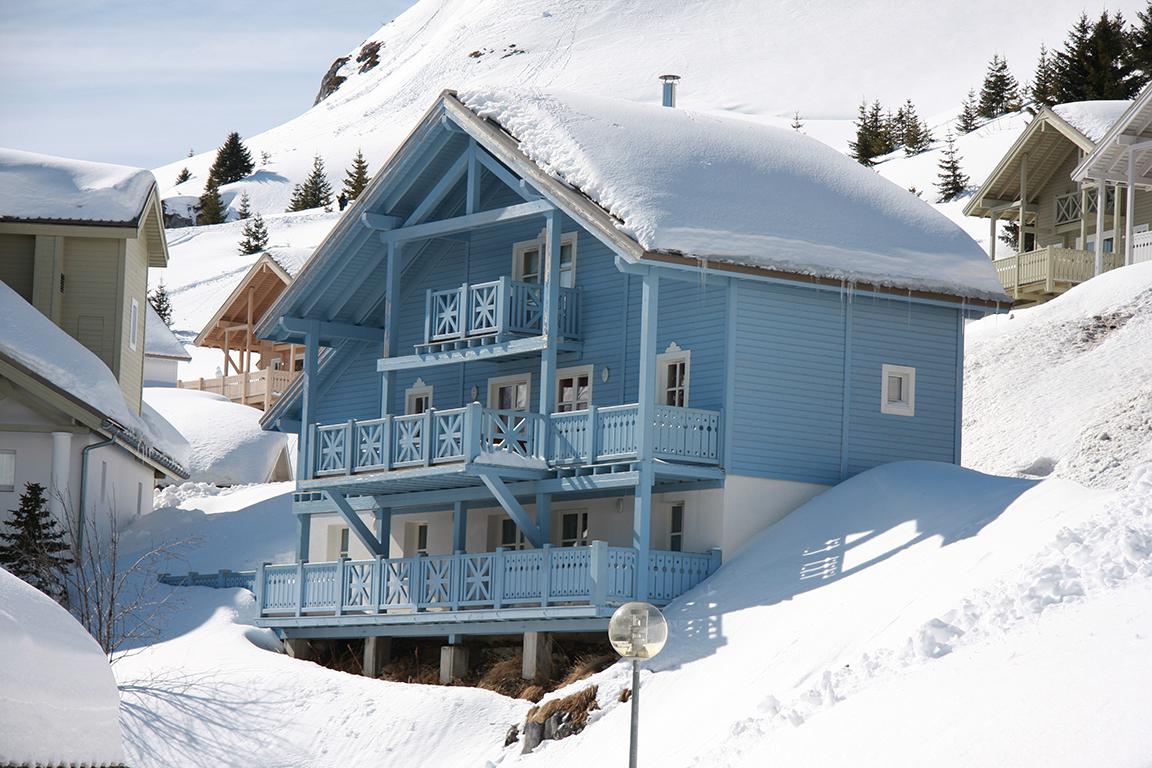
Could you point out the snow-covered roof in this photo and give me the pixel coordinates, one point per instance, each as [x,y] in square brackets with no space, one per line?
[291,259]
[34,343]
[58,704]
[159,341]
[1092,118]
[35,187]
[726,189]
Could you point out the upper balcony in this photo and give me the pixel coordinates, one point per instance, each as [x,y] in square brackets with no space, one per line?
[480,314]
[260,389]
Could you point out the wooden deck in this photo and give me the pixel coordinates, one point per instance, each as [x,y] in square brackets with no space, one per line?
[260,389]
[1039,275]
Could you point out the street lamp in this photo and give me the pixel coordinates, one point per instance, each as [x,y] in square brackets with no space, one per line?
[637,631]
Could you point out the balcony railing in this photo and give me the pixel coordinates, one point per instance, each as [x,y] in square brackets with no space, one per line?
[592,436]
[500,308]
[263,387]
[596,575]
[1049,266]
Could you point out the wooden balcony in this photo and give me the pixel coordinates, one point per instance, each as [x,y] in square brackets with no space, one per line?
[1038,275]
[474,434]
[260,389]
[551,582]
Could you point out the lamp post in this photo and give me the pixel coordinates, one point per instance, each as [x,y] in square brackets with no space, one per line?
[637,631]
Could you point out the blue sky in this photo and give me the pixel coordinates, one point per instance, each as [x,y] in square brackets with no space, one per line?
[141,83]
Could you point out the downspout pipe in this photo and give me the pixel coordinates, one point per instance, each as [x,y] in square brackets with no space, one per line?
[84,487]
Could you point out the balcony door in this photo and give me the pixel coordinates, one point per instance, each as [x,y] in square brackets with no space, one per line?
[528,261]
[510,393]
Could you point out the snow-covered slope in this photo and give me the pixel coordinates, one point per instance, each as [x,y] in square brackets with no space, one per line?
[1065,389]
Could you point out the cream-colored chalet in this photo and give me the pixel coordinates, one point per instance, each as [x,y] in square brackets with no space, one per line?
[1033,185]
[255,372]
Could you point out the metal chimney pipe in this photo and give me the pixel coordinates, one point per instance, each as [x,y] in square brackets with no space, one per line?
[669,89]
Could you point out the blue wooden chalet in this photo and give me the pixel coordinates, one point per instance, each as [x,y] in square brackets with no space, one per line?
[516,413]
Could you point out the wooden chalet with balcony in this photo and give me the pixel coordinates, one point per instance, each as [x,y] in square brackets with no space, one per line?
[527,414]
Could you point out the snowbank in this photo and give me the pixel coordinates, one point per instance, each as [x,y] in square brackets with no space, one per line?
[43,188]
[726,189]
[227,444]
[1064,389]
[58,697]
[1092,118]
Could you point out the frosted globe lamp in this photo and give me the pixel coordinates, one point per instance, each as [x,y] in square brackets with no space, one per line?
[637,631]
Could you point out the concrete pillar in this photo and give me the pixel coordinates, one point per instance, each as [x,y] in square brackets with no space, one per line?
[298,648]
[453,662]
[377,652]
[61,471]
[537,656]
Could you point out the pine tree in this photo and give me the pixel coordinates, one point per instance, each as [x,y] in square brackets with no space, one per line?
[1140,47]
[862,149]
[797,123]
[885,126]
[245,210]
[356,178]
[968,120]
[183,176]
[33,546]
[1097,61]
[158,298]
[211,205]
[233,161]
[255,236]
[315,192]
[1011,236]
[1000,93]
[952,181]
[915,135]
[1043,89]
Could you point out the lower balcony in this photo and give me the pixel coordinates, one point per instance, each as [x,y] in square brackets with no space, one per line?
[260,389]
[1039,275]
[552,582]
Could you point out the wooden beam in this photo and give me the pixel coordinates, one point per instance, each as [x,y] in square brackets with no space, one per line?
[329,330]
[380,222]
[497,169]
[356,524]
[515,511]
[466,222]
[437,194]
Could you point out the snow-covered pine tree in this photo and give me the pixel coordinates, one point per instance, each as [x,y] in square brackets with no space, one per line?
[158,298]
[33,547]
[968,120]
[315,192]
[183,176]
[797,123]
[1140,46]
[1043,89]
[1000,92]
[915,136]
[255,236]
[211,205]
[233,161]
[245,209]
[356,178]
[952,182]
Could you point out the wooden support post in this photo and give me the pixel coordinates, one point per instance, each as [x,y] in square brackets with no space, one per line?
[544,516]
[1020,245]
[308,399]
[377,652]
[453,663]
[384,527]
[1083,218]
[303,537]
[1101,200]
[355,524]
[391,305]
[537,656]
[992,235]
[247,358]
[1130,219]
[548,321]
[642,511]
[459,526]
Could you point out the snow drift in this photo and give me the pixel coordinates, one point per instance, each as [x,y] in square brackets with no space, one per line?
[39,187]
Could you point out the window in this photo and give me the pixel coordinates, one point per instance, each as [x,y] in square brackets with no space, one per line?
[676,527]
[574,529]
[417,398]
[527,266]
[511,537]
[573,389]
[422,538]
[898,390]
[7,470]
[673,372]
[510,393]
[345,540]
[134,323]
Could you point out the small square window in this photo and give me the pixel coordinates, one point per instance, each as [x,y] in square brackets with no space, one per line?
[898,390]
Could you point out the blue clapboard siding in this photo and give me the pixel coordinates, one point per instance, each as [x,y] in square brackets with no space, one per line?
[694,315]
[788,389]
[352,391]
[899,332]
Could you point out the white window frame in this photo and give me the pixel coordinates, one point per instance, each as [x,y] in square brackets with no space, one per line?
[1089,242]
[906,405]
[518,540]
[673,355]
[572,373]
[8,483]
[518,250]
[417,390]
[134,322]
[582,539]
[343,542]
[676,537]
[496,382]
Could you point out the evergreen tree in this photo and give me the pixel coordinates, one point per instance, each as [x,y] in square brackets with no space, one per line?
[952,181]
[233,161]
[1011,236]
[255,236]
[1140,47]
[1096,62]
[183,176]
[798,124]
[968,120]
[874,134]
[33,546]
[886,129]
[914,132]
[315,192]
[1000,93]
[356,178]
[861,149]
[158,298]
[1043,90]
[211,205]
[245,209]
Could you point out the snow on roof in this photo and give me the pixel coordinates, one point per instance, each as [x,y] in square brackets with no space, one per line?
[291,259]
[36,343]
[726,189]
[1092,118]
[35,187]
[159,341]
[59,705]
